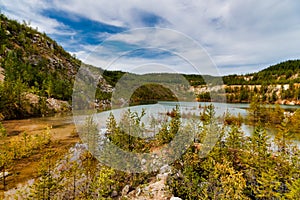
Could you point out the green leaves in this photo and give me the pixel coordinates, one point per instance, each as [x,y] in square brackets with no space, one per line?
[239,166]
[3,133]
[32,63]
[103,183]
[268,184]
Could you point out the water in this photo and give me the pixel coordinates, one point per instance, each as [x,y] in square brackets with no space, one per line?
[187,109]
[62,125]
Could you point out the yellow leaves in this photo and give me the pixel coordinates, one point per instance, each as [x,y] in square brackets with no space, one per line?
[230,183]
[24,144]
[268,185]
[294,189]
[104,176]
[2,129]
[103,181]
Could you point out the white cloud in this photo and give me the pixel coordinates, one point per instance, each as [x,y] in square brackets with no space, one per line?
[30,12]
[179,52]
[245,33]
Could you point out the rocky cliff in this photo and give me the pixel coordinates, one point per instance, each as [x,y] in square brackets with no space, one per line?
[36,73]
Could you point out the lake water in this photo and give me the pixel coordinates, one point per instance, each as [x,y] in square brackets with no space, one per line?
[160,109]
[185,108]
[62,124]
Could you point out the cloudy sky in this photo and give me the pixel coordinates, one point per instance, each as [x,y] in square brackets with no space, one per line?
[236,36]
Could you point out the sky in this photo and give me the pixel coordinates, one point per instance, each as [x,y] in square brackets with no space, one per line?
[227,36]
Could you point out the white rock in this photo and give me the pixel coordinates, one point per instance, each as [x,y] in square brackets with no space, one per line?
[138,191]
[165,169]
[114,194]
[143,161]
[125,190]
[5,174]
[175,198]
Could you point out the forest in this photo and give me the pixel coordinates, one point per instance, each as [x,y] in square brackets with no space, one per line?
[275,84]
[35,64]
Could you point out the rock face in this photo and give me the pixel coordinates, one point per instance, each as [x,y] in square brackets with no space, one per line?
[271,89]
[36,104]
[288,102]
[57,105]
[156,189]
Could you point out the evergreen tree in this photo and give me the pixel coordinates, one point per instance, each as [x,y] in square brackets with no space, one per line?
[6,161]
[294,190]
[47,185]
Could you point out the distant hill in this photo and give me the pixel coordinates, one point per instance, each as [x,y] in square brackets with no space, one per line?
[282,73]
[281,68]
[151,93]
[278,83]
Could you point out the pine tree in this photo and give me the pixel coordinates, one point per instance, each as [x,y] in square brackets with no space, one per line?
[259,142]
[103,183]
[47,185]
[294,190]
[226,183]
[256,111]
[90,134]
[283,137]
[268,185]
[6,161]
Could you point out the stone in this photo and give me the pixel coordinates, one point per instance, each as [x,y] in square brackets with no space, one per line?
[138,192]
[165,169]
[114,194]
[175,198]
[125,190]
[143,161]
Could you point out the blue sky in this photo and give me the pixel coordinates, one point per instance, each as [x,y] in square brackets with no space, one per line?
[237,36]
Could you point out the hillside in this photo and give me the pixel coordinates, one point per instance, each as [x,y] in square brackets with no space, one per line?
[151,93]
[278,83]
[38,73]
[35,58]
[282,73]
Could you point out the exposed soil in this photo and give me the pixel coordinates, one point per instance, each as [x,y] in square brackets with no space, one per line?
[63,136]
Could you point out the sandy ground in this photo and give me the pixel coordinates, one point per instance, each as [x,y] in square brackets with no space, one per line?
[63,134]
